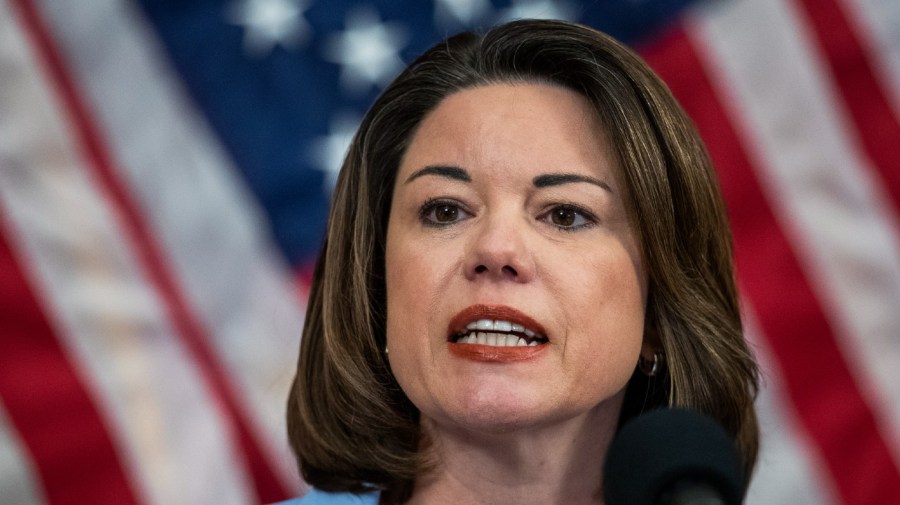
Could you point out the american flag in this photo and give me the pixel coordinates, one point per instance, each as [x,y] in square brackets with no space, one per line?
[165,169]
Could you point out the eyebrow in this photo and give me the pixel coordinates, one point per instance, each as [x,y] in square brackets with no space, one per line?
[546,180]
[450,172]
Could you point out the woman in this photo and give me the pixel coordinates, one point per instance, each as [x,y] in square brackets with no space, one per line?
[526,248]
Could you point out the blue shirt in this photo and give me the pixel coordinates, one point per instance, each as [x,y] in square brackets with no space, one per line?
[316,497]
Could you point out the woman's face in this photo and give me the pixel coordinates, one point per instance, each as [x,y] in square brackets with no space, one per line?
[515,289]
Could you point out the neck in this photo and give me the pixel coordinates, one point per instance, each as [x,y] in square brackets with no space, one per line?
[553,464]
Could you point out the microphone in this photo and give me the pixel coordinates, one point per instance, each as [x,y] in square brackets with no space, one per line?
[673,457]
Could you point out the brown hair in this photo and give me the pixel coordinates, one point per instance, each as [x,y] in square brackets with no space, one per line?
[350,425]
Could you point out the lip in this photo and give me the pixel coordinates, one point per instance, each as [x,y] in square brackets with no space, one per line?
[502,312]
[493,354]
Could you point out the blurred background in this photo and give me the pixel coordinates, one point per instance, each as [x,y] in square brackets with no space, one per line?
[165,171]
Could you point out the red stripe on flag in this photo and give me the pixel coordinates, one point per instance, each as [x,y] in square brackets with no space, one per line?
[862,95]
[268,488]
[48,404]
[818,380]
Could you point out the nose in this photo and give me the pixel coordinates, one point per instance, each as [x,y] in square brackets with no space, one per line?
[499,250]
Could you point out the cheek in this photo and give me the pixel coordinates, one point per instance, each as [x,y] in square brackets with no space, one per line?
[419,274]
[402,302]
[414,292]
[399,324]
[404,328]
[411,294]
[609,320]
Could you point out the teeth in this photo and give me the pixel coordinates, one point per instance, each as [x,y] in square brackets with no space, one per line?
[485,324]
[488,325]
[494,339]
[497,333]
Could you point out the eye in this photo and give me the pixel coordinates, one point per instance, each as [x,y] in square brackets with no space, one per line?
[441,213]
[569,217]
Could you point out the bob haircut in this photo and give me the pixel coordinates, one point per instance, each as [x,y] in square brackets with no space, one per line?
[349,423]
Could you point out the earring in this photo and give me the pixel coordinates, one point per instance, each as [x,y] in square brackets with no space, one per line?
[650,367]
[385,349]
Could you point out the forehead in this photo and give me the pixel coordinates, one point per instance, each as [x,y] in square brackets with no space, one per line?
[523,125]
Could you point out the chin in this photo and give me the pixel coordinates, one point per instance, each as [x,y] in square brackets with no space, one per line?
[497,411]
[500,411]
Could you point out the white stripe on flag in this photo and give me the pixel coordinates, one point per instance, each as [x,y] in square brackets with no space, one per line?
[877,23]
[188,188]
[17,479]
[173,440]
[786,471]
[822,188]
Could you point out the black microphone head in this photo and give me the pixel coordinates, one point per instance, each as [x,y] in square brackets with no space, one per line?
[662,449]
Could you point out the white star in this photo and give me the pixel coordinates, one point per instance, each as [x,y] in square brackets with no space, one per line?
[329,151]
[367,50]
[455,13]
[268,23]
[539,9]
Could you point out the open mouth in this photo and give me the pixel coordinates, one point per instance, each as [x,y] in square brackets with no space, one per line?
[495,326]
[498,333]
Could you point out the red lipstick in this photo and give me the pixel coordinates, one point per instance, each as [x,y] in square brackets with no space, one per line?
[489,353]
[493,354]
[476,312]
